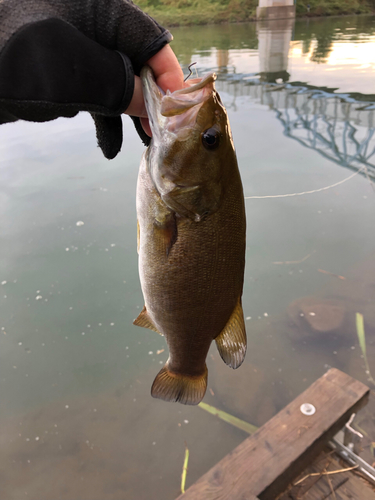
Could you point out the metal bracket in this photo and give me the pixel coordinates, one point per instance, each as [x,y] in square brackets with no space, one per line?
[352,438]
[345,444]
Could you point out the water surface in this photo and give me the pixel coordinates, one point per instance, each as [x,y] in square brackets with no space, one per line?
[77,418]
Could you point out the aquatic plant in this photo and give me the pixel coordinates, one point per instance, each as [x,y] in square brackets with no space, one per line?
[362,343]
[184,469]
[230,419]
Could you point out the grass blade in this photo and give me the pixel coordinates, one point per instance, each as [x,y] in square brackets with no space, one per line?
[362,343]
[184,469]
[230,419]
[361,332]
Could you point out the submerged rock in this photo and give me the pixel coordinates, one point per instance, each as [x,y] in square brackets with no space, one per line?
[316,315]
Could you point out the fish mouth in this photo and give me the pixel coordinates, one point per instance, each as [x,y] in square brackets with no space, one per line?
[175,112]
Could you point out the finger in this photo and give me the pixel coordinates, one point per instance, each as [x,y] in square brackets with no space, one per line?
[167,70]
[146,126]
[137,104]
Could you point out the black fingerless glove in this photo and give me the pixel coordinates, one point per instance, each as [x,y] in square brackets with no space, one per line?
[59,57]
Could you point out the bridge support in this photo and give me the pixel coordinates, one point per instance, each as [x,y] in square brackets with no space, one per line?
[274,40]
[276,9]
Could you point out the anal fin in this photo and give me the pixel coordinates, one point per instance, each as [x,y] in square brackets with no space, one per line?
[144,321]
[231,342]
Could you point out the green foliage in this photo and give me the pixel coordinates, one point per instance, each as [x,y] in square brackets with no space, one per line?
[334,7]
[190,12]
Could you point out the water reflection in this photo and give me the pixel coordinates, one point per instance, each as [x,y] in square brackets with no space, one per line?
[337,130]
[274,41]
[339,126]
[317,49]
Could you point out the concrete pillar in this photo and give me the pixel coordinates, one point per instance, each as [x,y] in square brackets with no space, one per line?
[276,9]
[274,40]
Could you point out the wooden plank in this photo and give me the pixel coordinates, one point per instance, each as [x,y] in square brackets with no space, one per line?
[346,485]
[266,462]
[355,488]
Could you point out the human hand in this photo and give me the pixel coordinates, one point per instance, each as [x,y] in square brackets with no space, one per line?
[168,75]
[60,58]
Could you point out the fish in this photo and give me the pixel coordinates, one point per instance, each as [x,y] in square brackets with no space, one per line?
[191,226]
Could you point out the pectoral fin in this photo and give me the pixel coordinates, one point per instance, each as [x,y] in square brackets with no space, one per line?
[194,202]
[166,229]
[144,321]
[231,342]
[183,201]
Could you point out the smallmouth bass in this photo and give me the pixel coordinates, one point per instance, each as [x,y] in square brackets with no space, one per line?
[191,235]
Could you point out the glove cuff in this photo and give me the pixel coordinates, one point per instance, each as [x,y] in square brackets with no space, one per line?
[142,134]
[128,86]
[152,49]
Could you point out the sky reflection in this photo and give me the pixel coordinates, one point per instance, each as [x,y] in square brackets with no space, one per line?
[351,65]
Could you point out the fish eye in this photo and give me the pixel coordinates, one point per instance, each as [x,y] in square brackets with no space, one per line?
[211,138]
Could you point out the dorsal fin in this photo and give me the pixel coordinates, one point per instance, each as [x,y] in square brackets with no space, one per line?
[144,321]
[231,342]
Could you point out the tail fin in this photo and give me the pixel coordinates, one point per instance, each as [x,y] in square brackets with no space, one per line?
[185,389]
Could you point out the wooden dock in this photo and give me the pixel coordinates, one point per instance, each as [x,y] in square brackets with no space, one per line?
[316,484]
[291,446]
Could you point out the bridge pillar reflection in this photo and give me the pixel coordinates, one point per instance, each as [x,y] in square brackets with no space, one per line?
[276,9]
[222,60]
[274,39]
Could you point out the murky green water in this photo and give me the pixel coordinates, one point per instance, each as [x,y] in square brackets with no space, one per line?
[77,418]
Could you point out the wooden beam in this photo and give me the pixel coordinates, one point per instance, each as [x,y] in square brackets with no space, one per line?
[266,462]
[346,485]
